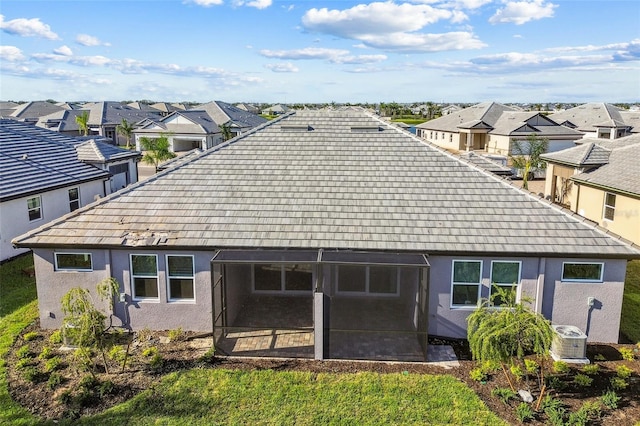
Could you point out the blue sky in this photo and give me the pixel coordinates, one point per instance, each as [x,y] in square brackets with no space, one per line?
[321,51]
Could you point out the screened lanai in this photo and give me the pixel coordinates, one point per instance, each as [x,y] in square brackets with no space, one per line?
[320,304]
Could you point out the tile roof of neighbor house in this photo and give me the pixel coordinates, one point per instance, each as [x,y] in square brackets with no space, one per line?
[486,163]
[92,151]
[33,110]
[34,160]
[632,119]
[586,154]
[588,117]
[167,107]
[515,123]
[103,113]
[7,108]
[332,180]
[61,121]
[222,112]
[486,112]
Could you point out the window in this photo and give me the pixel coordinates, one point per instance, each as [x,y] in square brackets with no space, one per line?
[582,272]
[466,276]
[34,205]
[280,277]
[609,206]
[368,279]
[73,262]
[450,137]
[504,275]
[74,199]
[180,277]
[144,276]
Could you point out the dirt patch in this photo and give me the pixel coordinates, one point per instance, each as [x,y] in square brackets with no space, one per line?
[73,392]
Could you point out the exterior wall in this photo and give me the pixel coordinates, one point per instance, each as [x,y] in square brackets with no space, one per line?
[626,220]
[557,175]
[501,144]
[566,302]
[448,140]
[14,220]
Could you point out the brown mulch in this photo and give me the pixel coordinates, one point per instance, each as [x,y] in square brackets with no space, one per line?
[70,399]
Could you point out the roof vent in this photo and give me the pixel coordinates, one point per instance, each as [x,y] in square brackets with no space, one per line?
[307,128]
[25,156]
[366,129]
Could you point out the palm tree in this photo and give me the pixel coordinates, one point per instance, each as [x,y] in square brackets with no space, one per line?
[125,129]
[156,150]
[225,129]
[83,123]
[525,155]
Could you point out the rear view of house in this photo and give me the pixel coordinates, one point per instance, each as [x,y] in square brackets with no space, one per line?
[329,234]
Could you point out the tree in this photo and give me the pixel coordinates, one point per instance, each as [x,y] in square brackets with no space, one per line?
[83,123]
[225,129]
[156,150]
[525,155]
[125,129]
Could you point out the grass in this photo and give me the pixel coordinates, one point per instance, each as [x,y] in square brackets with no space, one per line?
[630,320]
[410,121]
[18,308]
[280,397]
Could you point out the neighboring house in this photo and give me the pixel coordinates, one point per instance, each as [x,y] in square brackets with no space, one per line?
[122,164]
[275,110]
[451,109]
[198,127]
[492,127]
[600,180]
[632,119]
[249,108]
[595,120]
[63,121]
[104,118]
[41,179]
[329,234]
[166,108]
[30,112]
[7,108]
[494,164]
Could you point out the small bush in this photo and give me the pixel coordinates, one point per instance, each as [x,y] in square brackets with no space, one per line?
[551,403]
[46,353]
[591,369]
[610,399]
[52,364]
[209,356]
[148,352]
[31,374]
[531,366]
[517,372]
[156,362]
[106,388]
[556,383]
[490,366]
[32,335]
[560,367]
[89,382]
[524,412]
[56,337]
[623,371]
[23,352]
[618,383]
[504,394]
[117,353]
[82,359]
[588,411]
[478,375]
[66,397]
[627,354]
[24,362]
[176,335]
[599,357]
[555,415]
[582,380]
[55,380]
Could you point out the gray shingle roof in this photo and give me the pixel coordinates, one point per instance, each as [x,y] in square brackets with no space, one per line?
[331,179]
[487,112]
[34,160]
[34,110]
[588,117]
[514,123]
[103,113]
[586,154]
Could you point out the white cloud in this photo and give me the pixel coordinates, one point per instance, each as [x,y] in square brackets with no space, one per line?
[27,28]
[359,59]
[88,40]
[258,4]
[282,67]
[306,53]
[417,42]
[11,54]
[206,3]
[63,50]
[521,12]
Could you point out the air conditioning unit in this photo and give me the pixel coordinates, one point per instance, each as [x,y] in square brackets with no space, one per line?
[569,342]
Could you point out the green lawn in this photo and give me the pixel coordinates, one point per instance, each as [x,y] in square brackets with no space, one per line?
[259,397]
[630,321]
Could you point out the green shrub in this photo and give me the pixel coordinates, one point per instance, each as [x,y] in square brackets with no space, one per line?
[478,375]
[56,337]
[32,335]
[504,394]
[582,380]
[560,367]
[23,352]
[555,415]
[46,353]
[209,356]
[89,382]
[551,403]
[627,354]
[117,353]
[591,369]
[524,412]
[24,362]
[599,357]
[31,374]
[176,335]
[82,359]
[149,352]
[490,366]
[106,388]
[610,399]
[623,371]
[588,411]
[531,366]
[517,372]
[618,383]
[52,364]
[156,362]
[556,383]
[55,380]
[66,397]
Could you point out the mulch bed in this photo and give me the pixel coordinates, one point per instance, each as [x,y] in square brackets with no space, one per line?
[73,397]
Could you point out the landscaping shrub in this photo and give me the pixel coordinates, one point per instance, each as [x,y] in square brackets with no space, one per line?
[560,367]
[627,354]
[618,383]
[156,362]
[176,335]
[517,372]
[478,375]
[610,399]
[582,380]
[504,394]
[24,352]
[46,353]
[52,364]
[55,380]
[209,356]
[556,383]
[31,374]
[151,351]
[56,337]
[524,412]
[623,371]
[106,388]
[32,335]
[531,366]
[490,366]
[591,369]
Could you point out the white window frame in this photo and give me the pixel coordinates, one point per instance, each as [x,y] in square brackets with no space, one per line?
[367,283]
[58,268]
[283,280]
[453,284]
[77,200]
[39,198]
[577,280]
[133,277]
[610,207]
[517,284]
[192,277]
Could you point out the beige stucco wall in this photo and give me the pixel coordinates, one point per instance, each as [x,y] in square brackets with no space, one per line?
[553,182]
[626,220]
